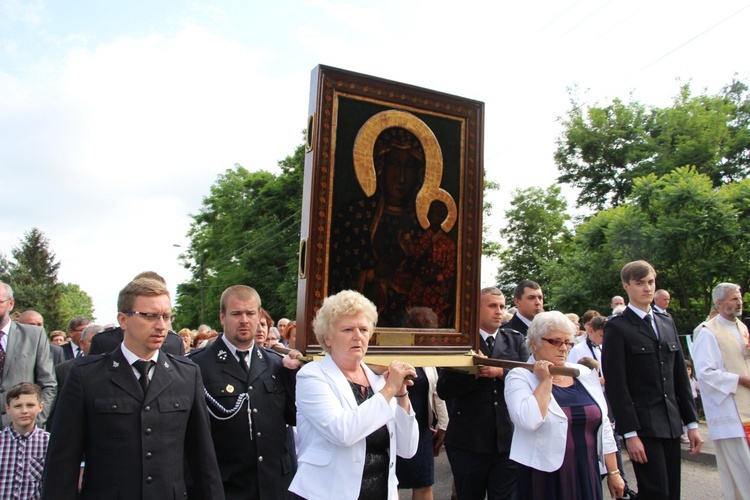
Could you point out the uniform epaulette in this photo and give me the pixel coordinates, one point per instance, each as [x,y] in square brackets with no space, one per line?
[509,330]
[181,359]
[269,350]
[87,360]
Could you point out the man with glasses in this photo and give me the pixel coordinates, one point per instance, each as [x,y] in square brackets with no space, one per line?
[24,357]
[76,326]
[108,340]
[136,414]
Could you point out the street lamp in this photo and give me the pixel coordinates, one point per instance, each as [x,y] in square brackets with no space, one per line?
[200,277]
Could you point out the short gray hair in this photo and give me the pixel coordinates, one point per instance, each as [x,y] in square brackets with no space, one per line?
[545,322]
[721,290]
[344,303]
[90,331]
[8,289]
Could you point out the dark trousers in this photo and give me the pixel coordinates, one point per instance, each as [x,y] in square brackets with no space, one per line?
[659,478]
[480,475]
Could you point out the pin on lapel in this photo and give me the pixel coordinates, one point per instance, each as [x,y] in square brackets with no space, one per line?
[166,365]
[115,364]
[223,355]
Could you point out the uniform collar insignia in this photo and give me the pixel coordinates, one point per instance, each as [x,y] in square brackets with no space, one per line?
[166,365]
[260,354]
[222,355]
[115,364]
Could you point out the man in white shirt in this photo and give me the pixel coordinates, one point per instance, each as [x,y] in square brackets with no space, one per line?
[647,386]
[76,326]
[721,353]
[661,301]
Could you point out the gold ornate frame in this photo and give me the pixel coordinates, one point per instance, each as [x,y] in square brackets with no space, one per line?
[347,113]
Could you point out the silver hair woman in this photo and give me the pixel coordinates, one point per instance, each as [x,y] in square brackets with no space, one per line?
[351,422]
[562,439]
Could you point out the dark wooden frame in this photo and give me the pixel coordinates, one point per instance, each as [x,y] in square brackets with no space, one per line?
[339,102]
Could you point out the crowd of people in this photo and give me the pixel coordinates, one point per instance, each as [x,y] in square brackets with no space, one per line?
[135,410]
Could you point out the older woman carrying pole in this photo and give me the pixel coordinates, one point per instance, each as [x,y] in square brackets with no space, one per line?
[351,422]
[562,438]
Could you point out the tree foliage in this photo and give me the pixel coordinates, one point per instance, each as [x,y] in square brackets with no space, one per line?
[535,234]
[247,232]
[604,149]
[75,302]
[33,277]
[690,231]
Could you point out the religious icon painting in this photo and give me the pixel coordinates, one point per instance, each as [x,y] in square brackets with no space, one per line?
[392,208]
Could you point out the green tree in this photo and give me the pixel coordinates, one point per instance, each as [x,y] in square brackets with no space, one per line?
[75,302]
[490,247]
[602,150]
[688,229]
[247,232]
[5,267]
[34,278]
[536,236]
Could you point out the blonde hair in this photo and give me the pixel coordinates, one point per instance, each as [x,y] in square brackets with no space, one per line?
[344,303]
[240,292]
[140,287]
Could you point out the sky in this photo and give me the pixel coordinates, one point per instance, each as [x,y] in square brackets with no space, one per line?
[117,117]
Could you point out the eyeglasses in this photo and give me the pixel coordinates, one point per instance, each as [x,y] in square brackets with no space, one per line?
[167,317]
[558,343]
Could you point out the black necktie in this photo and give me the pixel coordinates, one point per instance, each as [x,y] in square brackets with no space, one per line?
[651,323]
[143,367]
[490,343]
[79,353]
[243,356]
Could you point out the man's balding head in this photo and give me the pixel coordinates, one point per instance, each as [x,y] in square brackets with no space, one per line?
[31,318]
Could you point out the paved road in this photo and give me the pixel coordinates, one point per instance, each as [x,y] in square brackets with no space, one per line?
[700,478]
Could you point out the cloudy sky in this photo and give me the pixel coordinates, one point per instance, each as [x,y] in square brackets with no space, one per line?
[116,117]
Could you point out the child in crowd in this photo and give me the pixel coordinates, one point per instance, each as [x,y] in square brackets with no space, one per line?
[23,445]
[696,397]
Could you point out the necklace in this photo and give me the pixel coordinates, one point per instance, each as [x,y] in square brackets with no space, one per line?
[562,381]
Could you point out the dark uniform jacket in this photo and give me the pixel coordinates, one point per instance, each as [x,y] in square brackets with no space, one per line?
[646,381]
[255,460]
[516,324]
[478,404]
[134,446]
[108,340]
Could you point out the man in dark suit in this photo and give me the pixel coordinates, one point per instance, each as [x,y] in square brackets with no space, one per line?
[661,301]
[75,328]
[62,369]
[648,387]
[136,415]
[529,301]
[479,432]
[24,357]
[253,455]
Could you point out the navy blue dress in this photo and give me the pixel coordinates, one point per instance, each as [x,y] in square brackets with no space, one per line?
[579,476]
[419,471]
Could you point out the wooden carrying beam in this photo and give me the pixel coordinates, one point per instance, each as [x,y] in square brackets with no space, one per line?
[464,362]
